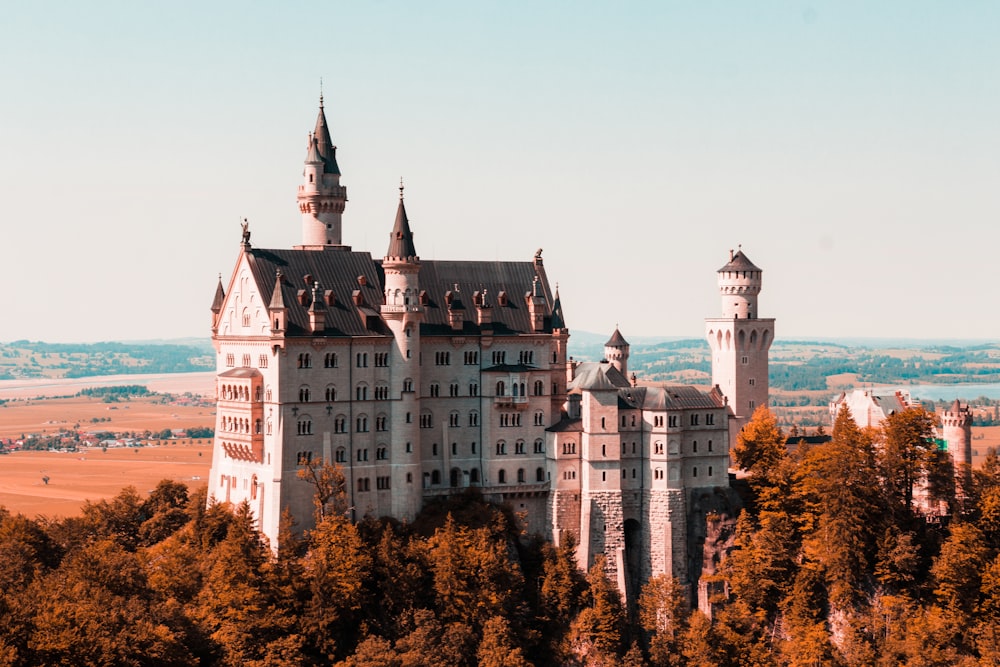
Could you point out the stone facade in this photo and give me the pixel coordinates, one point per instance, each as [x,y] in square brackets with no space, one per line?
[421,378]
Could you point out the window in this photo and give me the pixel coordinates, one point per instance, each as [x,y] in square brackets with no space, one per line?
[603,422]
[604,450]
[569,448]
[304,458]
[304,426]
[694,420]
[694,447]
[364,484]
[361,360]
[520,475]
[409,478]
[230,360]
[304,395]
[709,471]
[604,476]
[381,423]
[435,389]
[246,361]
[409,448]
[501,447]
[752,405]
[262,361]
[246,319]
[382,392]
[569,474]
[519,447]
[381,454]
[305,361]
[502,476]
[694,471]
[341,455]
[539,418]
[471,358]
[454,449]
[435,477]
[442,358]
[340,424]
[710,418]
[658,448]
[672,421]
[539,446]
[331,394]
[658,473]
[499,357]
[453,418]
[473,418]
[362,454]
[501,388]
[453,389]
[407,385]
[745,360]
[361,392]
[539,388]
[658,420]
[382,483]
[381,360]
[473,389]
[510,419]
[426,420]
[539,475]
[752,382]
[362,424]
[473,448]
[526,357]
[709,445]
[330,360]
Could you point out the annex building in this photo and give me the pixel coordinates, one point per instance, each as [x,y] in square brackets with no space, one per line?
[424,377]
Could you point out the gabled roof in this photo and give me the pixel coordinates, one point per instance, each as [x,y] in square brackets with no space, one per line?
[669,397]
[567,425]
[739,262]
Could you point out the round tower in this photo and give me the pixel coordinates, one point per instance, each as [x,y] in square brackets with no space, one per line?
[616,352]
[403,312]
[956,429]
[739,284]
[321,196]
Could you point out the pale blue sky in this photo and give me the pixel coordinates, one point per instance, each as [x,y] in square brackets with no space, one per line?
[853,148]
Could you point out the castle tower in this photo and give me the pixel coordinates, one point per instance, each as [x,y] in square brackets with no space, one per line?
[740,341]
[956,429]
[403,313]
[321,196]
[616,352]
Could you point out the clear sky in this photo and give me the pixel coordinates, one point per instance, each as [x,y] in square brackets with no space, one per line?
[853,148]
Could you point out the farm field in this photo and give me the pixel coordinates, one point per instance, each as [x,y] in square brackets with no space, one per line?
[93,474]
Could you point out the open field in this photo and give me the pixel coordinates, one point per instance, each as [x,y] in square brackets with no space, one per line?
[92,474]
[202,384]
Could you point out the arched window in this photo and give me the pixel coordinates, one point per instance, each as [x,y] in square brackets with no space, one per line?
[520,475]
[435,477]
[502,476]
[539,474]
[303,394]
[501,388]
[341,455]
[539,387]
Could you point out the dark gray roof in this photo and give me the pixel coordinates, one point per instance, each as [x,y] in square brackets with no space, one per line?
[594,376]
[558,321]
[567,425]
[341,272]
[324,143]
[669,397]
[616,340]
[739,262]
[401,238]
[220,297]
[337,271]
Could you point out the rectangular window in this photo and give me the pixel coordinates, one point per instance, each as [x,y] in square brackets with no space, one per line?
[471,358]
[381,359]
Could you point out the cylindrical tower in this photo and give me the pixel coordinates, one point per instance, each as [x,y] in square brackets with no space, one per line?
[739,284]
[321,196]
[956,429]
[616,352]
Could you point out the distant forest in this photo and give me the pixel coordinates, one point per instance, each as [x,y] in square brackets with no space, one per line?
[25,359]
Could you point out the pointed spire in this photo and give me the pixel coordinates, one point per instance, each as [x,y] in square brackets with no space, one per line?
[324,143]
[617,339]
[401,238]
[220,296]
[277,300]
[558,321]
[313,156]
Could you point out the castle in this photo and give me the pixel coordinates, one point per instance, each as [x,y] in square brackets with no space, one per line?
[421,378]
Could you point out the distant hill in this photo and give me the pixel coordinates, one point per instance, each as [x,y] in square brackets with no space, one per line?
[25,359]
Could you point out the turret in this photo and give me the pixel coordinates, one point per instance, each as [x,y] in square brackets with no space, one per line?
[616,352]
[276,308]
[739,284]
[956,429]
[321,197]
[220,297]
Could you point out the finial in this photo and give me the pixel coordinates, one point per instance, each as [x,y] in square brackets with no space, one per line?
[321,92]
[400,188]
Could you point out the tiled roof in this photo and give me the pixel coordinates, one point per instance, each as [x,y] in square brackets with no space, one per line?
[670,397]
[401,238]
[616,340]
[240,372]
[593,376]
[567,425]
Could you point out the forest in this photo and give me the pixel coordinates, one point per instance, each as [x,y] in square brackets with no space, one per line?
[836,562]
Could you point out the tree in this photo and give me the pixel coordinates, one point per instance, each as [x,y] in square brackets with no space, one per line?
[907,453]
[663,610]
[328,482]
[760,445]
[498,647]
[597,633]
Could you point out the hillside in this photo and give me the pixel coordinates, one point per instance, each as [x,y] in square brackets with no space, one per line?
[35,359]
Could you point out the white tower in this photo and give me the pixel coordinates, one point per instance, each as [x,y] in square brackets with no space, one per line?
[740,341]
[321,196]
[616,352]
[403,313]
[956,429]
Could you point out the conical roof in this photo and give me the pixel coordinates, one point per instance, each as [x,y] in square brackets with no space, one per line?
[277,300]
[558,321]
[401,238]
[220,296]
[313,156]
[616,340]
[324,143]
[739,262]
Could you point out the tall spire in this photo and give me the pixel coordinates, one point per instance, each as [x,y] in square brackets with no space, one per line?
[324,142]
[401,238]
[558,321]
